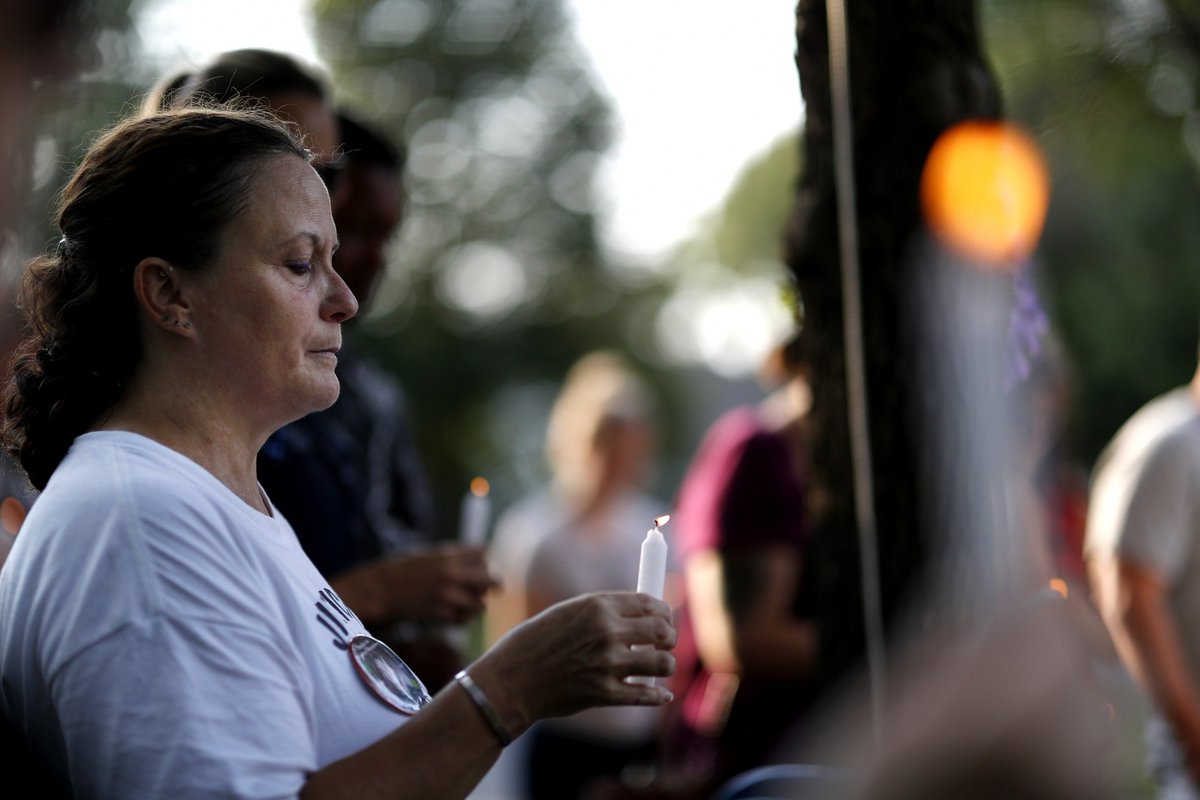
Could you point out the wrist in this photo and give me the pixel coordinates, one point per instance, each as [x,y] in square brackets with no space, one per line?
[484,706]
[503,698]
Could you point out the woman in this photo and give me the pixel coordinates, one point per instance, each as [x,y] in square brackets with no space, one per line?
[748,644]
[345,478]
[161,632]
[583,533]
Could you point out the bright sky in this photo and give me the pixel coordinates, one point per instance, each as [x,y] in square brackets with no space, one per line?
[699,87]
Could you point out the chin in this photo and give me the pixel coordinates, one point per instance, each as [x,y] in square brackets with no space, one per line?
[318,398]
[330,397]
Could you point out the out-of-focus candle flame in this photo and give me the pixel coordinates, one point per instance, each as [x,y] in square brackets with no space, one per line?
[660,521]
[479,487]
[985,191]
[1060,586]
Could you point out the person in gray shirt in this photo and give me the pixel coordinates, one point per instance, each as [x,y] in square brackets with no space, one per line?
[1143,551]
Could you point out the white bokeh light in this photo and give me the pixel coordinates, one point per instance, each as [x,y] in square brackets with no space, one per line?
[698,88]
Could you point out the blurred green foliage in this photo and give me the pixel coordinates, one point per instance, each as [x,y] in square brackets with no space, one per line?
[1108,90]
[498,282]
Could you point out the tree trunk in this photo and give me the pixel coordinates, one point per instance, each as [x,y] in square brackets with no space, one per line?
[916,68]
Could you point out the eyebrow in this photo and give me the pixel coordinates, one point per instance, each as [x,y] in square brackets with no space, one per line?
[313,237]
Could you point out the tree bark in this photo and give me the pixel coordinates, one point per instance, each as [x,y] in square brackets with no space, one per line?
[916,68]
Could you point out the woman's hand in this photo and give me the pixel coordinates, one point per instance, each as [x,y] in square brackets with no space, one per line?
[577,654]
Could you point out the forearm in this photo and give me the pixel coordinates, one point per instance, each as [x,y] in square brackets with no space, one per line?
[1133,603]
[442,752]
[574,656]
[742,612]
[781,649]
[1156,654]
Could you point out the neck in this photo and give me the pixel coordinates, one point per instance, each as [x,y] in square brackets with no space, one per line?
[198,428]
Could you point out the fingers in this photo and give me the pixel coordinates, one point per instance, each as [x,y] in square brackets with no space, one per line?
[460,605]
[633,694]
[467,566]
[654,631]
[637,604]
[646,661]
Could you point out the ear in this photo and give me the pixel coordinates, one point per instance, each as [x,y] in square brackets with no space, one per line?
[157,286]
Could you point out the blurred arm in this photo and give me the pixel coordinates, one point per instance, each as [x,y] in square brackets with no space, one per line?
[741,610]
[442,584]
[1133,602]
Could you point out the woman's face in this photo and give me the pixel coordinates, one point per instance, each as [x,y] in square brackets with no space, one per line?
[267,313]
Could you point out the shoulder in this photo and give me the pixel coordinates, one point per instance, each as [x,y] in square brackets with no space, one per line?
[734,428]
[734,439]
[1163,435]
[140,525]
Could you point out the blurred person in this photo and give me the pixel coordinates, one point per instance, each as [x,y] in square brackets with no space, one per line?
[582,533]
[350,478]
[1143,553]
[42,45]
[745,643]
[287,87]
[162,634]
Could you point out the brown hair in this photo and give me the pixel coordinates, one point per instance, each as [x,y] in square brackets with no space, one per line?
[245,75]
[164,185]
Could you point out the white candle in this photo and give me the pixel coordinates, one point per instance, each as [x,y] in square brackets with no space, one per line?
[652,569]
[476,514]
[652,575]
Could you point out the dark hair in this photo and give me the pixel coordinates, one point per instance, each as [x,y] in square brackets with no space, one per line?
[242,75]
[163,185]
[162,94]
[364,146]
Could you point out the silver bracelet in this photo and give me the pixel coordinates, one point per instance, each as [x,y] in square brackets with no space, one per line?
[485,707]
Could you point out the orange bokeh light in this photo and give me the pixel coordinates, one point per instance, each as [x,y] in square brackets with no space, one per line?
[479,486]
[985,191]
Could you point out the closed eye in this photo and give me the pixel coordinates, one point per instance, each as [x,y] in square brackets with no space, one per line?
[299,267]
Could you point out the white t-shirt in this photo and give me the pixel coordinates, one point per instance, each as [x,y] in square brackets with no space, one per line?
[160,638]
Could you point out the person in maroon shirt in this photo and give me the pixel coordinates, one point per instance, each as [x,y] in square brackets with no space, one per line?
[744,648]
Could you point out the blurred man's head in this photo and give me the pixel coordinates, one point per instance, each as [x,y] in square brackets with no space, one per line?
[294,90]
[370,206]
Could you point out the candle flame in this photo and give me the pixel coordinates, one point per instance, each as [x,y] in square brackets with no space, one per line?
[479,486]
[660,521]
[1059,586]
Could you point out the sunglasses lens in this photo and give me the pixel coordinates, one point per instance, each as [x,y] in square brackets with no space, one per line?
[387,676]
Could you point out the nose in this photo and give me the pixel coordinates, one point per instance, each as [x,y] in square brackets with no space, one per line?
[339,304]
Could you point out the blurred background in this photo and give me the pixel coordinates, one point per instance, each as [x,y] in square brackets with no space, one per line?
[589,175]
[574,185]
